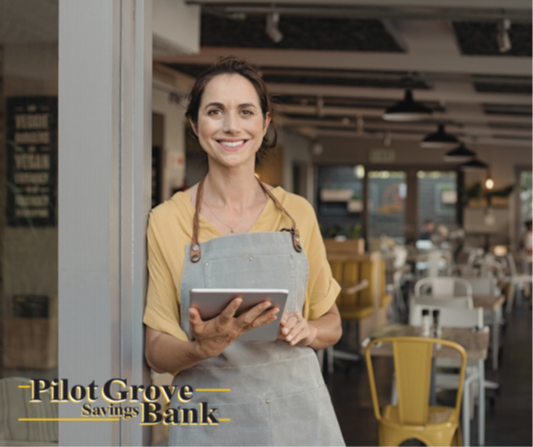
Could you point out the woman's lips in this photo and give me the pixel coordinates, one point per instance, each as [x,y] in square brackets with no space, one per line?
[232,145]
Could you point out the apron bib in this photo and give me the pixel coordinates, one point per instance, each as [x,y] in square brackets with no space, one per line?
[278,395]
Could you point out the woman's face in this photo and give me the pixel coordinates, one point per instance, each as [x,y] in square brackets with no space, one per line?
[230,124]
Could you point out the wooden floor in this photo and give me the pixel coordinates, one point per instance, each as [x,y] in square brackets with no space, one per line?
[508,416]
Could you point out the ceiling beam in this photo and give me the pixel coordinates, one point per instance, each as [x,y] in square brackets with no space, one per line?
[395,94]
[351,60]
[463,117]
[474,4]
[314,133]
[420,128]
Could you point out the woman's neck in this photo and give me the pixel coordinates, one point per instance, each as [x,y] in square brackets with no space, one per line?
[235,188]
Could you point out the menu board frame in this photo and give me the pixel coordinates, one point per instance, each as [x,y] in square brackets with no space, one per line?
[31,140]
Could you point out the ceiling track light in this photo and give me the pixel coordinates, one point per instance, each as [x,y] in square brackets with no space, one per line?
[459,155]
[504,41]
[272,29]
[439,140]
[407,110]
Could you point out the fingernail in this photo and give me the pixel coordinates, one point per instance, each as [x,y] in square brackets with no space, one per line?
[289,338]
[285,330]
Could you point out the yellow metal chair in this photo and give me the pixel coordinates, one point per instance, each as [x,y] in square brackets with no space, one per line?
[413,417]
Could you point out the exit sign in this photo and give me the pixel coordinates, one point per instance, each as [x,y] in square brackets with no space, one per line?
[382,156]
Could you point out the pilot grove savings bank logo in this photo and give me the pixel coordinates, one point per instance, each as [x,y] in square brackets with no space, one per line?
[127,402]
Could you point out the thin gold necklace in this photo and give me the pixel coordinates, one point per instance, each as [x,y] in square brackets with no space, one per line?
[217,218]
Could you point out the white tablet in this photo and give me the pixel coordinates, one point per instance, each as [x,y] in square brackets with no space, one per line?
[211,302]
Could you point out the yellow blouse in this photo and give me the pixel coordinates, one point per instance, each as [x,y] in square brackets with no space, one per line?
[170,230]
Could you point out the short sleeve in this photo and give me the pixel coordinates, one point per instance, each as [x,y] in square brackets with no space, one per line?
[162,303]
[322,289]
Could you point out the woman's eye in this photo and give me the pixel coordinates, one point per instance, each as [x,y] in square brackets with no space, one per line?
[213,112]
[247,112]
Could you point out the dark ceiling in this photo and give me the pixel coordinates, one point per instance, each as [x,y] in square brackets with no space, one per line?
[479,39]
[299,33]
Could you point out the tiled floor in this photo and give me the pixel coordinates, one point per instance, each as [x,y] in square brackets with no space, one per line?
[508,416]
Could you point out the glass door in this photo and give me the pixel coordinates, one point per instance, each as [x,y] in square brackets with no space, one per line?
[386,205]
[437,199]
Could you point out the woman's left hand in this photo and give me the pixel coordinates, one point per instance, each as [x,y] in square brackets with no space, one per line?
[295,329]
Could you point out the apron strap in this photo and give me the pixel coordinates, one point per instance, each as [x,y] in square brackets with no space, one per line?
[195,245]
[294,231]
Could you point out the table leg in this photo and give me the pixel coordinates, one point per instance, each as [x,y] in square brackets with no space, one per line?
[466,414]
[495,338]
[481,409]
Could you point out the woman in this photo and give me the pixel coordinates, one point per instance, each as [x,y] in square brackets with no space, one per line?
[226,232]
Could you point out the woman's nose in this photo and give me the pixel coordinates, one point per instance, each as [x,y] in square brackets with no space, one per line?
[231,123]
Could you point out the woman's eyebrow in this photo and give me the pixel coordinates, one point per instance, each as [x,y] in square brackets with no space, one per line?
[217,104]
[248,104]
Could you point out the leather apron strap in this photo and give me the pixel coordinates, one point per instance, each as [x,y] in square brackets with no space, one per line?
[196,252]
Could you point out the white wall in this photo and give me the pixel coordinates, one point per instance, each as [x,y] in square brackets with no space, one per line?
[295,149]
[176,27]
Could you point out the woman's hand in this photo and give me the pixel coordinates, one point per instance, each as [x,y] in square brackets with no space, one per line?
[215,335]
[295,329]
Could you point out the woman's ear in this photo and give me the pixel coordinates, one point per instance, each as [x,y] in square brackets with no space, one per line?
[268,118]
[191,122]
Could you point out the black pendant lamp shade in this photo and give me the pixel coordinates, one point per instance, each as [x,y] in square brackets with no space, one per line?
[407,110]
[459,155]
[439,140]
[474,165]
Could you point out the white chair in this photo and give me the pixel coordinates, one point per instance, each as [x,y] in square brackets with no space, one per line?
[515,280]
[444,286]
[468,318]
[461,302]
[483,286]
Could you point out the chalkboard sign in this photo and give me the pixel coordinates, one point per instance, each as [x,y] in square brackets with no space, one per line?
[31,130]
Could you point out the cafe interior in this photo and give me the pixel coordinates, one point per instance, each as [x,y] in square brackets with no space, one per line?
[407,125]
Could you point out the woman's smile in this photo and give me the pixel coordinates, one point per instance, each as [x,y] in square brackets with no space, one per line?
[232,145]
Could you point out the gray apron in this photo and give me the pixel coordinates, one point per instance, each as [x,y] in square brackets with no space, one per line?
[278,395]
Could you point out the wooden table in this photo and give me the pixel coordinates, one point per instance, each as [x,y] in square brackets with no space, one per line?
[492,304]
[475,343]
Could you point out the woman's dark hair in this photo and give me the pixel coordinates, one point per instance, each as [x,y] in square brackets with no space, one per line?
[231,65]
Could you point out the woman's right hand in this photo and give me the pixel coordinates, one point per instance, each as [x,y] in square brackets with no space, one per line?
[215,335]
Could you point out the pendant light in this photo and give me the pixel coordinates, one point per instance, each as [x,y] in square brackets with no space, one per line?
[459,155]
[474,165]
[407,110]
[439,140]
